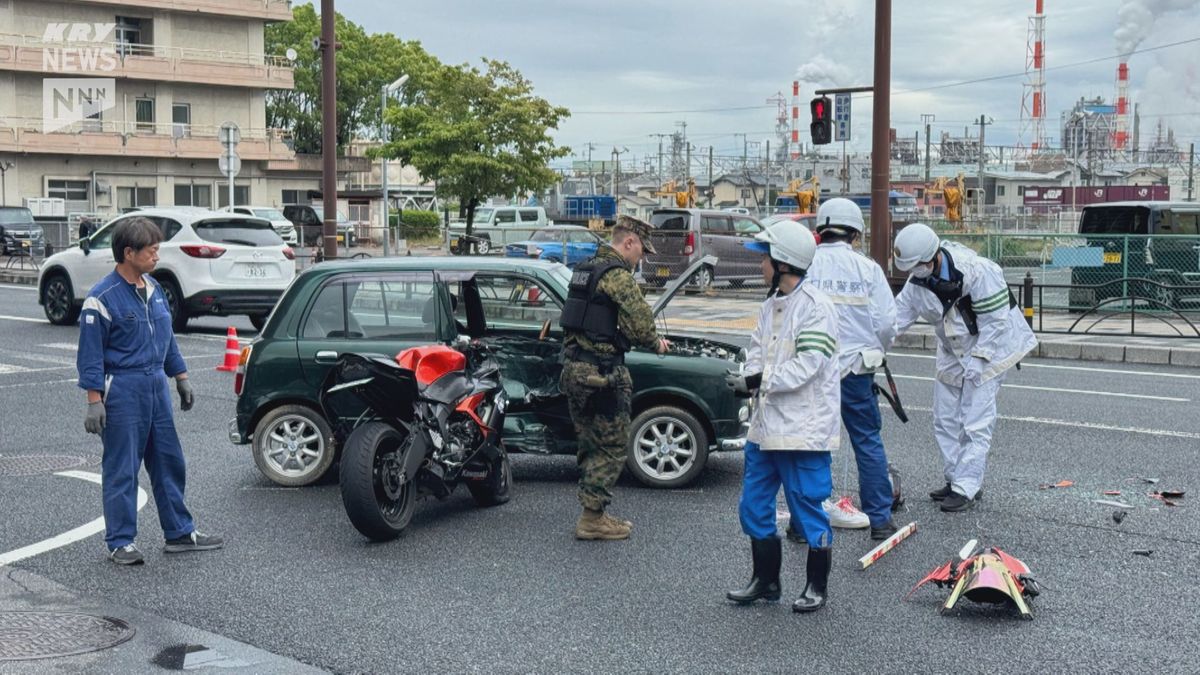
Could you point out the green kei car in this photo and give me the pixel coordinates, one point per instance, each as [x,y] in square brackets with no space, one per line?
[682,409]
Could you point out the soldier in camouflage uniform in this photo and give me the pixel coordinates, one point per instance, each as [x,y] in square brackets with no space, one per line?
[605,315]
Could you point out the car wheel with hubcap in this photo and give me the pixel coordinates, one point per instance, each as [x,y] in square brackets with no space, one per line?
[174,298]
[293,445]
[668,447]
[58,301]
[703,279]
[484,246]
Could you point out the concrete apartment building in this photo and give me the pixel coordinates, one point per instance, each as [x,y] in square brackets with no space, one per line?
[181,69]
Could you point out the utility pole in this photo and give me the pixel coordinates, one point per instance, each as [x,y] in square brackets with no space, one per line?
[591,174]
[687,166]
[1191,171]
[983,122]
[328,45]
[660,157]
[710,176]
[881,224]
[616,174]
[767,175]
[927,118]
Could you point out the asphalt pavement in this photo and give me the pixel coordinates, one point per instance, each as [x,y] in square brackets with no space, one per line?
[508,589]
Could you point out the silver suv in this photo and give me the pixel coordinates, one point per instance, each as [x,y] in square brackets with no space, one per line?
[684,236]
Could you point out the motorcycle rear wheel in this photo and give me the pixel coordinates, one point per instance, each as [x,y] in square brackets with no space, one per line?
[379,505]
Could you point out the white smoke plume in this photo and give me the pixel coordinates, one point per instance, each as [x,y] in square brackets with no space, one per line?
[821,71]
[1135,20]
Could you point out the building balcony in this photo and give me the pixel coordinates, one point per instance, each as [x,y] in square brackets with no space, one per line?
[30,54]
[305,163]
[270,10]
[133,139]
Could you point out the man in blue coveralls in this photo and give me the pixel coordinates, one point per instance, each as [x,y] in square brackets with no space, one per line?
[127,351]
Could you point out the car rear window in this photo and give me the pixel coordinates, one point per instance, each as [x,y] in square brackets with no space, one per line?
[243,232]
[670,221]
[1114,220]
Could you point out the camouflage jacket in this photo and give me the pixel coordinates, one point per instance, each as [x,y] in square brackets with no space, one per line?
[634,318]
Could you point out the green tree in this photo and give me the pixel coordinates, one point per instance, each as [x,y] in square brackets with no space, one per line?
[365,64]
[476,133]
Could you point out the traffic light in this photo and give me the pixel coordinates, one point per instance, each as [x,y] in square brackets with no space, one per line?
[822,120]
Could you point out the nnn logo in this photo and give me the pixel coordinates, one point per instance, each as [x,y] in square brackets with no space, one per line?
[68,100]
[78,48]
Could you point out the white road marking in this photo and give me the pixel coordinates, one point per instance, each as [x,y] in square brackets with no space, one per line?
[34,384]
[11,287]
[23,318]
[69,346]
[70,536]
[1086,425]
[1171,399]
[8,369]
[1086,369]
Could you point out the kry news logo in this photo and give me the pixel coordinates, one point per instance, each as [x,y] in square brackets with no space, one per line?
[77,48]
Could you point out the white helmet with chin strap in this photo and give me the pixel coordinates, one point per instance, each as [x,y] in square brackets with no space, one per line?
[917,243]
[841,214]
[788,242]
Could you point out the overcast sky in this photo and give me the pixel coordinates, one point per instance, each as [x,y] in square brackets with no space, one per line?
[627,69]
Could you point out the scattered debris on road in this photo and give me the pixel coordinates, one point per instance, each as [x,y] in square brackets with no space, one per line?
[1059,484]
[887,545]
[1143,552]
[985,575]
[1116,505]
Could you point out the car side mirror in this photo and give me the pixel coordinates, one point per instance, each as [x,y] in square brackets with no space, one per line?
[86,245]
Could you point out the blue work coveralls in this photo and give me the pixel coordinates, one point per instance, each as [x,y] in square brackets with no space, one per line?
[127,350]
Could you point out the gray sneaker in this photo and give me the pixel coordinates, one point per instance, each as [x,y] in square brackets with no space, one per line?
[126,555]
[196,541]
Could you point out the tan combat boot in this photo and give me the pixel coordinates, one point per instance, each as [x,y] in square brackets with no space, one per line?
[619,521]
[595,525]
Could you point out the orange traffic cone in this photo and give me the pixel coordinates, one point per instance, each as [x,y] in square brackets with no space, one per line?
[232,351]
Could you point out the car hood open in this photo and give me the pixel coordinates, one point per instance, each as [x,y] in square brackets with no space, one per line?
[672,288]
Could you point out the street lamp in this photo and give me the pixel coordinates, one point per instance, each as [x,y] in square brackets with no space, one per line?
[4,167]
[383,99]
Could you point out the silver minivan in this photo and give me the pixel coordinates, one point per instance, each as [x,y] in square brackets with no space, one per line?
[683,236]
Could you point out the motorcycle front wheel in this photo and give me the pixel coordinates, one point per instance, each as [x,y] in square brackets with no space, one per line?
[379,499]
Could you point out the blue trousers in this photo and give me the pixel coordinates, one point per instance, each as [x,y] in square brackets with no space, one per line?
[140,427]
[806,482]
[860,416]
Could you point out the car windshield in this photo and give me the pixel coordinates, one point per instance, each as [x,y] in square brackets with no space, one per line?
[269,214]
[669,220]
[17,216]
[482,214]
[243,232]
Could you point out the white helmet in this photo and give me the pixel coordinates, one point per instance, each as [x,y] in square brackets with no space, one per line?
[841,213]
[788,242]
[915,244]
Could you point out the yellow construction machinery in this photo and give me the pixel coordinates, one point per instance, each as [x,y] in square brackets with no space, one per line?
[952,193]
[806,192]
[684,199]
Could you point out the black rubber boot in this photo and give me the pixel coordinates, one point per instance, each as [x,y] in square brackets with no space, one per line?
[817,571]
[764,585]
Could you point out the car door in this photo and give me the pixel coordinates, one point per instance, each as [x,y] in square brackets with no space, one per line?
[716,238]
[97,262]
[747,261]
[377,313]
[580,247]
[515,309]
[1175,247]
[506,228]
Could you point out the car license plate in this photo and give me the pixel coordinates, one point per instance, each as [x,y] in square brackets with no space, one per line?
[256,271]
[1111,258]
[664,272]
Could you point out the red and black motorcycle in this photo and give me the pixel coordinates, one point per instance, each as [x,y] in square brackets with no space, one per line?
[433,420]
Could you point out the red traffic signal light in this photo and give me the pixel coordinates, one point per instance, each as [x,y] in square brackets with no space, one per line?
[822,120]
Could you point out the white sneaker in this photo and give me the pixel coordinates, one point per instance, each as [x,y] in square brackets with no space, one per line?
[842,514]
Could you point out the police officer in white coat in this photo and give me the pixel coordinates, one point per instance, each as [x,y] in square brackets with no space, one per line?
[866,328]
[981,335]
[792,368]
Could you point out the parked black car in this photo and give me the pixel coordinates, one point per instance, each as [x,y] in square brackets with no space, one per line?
[309,221]
[17,230]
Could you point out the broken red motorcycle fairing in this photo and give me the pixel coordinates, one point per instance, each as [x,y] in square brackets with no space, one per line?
[985,575]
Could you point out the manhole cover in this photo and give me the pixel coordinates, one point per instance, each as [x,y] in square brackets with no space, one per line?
[43,635]
[32,465]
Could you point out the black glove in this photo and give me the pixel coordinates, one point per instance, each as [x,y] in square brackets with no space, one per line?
[743,385]
[94,422]
[187,396]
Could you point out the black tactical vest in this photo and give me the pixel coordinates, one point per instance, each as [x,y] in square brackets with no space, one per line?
[591,311]
[949,293]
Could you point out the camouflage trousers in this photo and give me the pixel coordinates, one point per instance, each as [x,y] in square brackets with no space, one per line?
[601,418]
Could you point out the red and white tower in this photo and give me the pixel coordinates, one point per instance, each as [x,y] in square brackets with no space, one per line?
[1033,103]
[1121,126]
[794,145]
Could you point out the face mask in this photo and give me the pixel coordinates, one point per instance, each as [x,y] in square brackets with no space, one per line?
[923,271]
